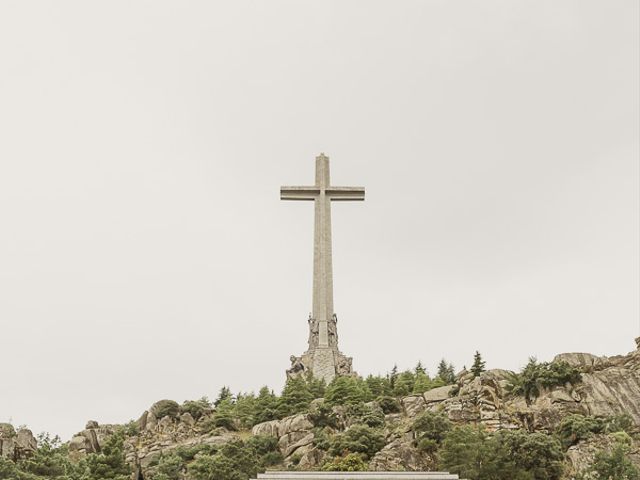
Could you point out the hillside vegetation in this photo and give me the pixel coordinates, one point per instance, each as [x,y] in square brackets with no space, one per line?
[546,422]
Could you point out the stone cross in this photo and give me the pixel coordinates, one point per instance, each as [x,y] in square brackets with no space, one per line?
[322,321]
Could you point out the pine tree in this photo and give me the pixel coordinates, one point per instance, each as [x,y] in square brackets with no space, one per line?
[392,377]
[345,391]
[420,369]
[295,397]
[225,394]
[404,383]
[422,382]
[266,406]
[446,372]
[478,364]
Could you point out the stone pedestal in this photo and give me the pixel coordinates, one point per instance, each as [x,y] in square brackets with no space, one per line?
[321,362]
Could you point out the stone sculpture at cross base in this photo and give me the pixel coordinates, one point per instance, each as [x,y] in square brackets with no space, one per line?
[322,359]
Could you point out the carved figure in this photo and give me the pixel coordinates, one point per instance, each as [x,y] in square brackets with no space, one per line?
[314,332]
[345,366]
[297,367]
[333,331]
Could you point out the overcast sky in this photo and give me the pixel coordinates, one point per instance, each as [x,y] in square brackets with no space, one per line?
[144,251]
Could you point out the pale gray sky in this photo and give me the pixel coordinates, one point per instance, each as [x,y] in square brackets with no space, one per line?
[144,251]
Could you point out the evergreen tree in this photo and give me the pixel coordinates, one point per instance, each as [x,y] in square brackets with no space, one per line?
[404,383]
[266,407]
[446,372]
[225,394]
[420,370]
[245,410]
[317,386]
[392,377]
[478,364]
[109,464]
[345,391]
[295,397]
[422,382]
[378,386]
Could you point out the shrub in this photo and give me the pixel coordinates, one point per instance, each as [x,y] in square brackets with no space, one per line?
[169,467]
[196,408]
[365,414]
[430,426]
[575,428]
[350,463]
[389,404]
[507,455]
[615,465]
[345,391]
[535,377]
[323,416]
[358,439]
[166,408]
[427,445]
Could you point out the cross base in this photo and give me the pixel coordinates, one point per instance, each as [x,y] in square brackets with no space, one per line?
[322,363]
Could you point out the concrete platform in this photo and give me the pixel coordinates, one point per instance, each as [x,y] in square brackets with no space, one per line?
[290,475]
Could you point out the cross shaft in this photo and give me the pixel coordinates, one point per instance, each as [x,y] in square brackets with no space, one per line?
[322,193]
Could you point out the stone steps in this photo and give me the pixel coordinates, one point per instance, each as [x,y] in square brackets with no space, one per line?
[291,475]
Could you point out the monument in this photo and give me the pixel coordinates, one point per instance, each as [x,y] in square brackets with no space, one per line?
[323,359]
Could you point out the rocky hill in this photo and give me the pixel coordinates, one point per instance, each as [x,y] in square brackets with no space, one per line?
[606,388]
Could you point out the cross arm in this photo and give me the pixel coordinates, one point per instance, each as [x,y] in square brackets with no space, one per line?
[299,193]
[345,193]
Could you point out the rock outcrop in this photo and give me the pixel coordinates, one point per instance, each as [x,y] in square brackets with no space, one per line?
[608,386]
[16,445]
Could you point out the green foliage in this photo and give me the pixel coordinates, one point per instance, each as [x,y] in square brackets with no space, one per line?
[236,460]
[535,377]
[404,383]
[266,406]
[478,365]
[197,408]
[295,397]
[346,391]
[170,467]
[358,439]
[109,464]
[166,408]
[430,426]
[224,415]
[426,445]
[323,416]
[352,462]
[389,404]
[49,461]
[224,395]
[575,428]
[378,386]
[365,414]
[422,383]
[245,410]
[317,386]
[507,455]
[446,372]
[7,469]
[615,465]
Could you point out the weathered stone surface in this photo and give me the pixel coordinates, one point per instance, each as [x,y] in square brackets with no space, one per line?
[612,391]
[295,423]
[291,442]
[400,455]
[578,360]
[267,428]
[16,445]
[439,394]
[413,405]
